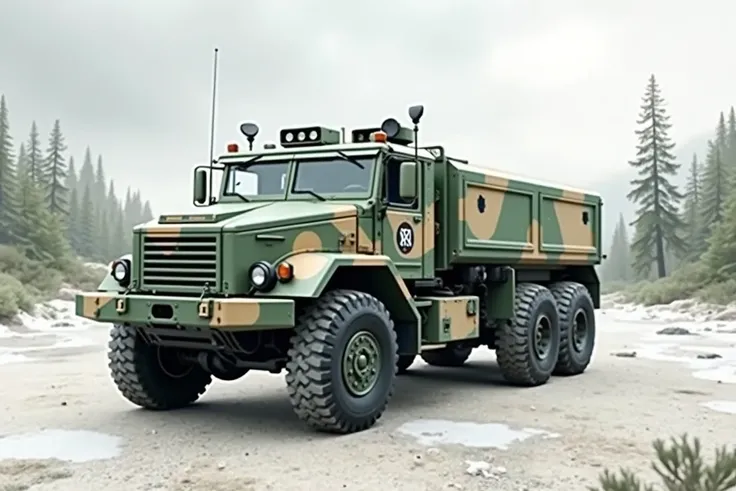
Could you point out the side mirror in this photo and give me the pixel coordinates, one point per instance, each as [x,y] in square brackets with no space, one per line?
[408,180]
[200,187]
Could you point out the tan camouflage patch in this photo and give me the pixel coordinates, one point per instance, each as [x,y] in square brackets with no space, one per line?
[365,244]
[346,227]
[172,231]
[428,241]
[308,265]
[483,225]
[531,253]
[462,325]
[342,211]
[232,312]
[307,241]
[94,301]
[577,237]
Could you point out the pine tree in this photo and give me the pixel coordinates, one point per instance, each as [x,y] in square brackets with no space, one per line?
[100,185]
[86,173]
[73,223]
[36,167]
[118,244]
[731,140]
[87,227]
[715,188]
[70,183]
[57,171]
[694,234]
[617,266]
[147,214]
[652,191]
[7,173]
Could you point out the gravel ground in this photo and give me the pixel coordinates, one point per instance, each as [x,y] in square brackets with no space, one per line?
[59,410]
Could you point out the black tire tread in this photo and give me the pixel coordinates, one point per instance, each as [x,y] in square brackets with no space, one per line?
[512,352]
[564,293]
[132,373]
[308,380]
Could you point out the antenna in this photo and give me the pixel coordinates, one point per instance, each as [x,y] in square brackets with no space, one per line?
[212,123]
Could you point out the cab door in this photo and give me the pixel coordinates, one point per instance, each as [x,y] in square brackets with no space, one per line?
[402,228]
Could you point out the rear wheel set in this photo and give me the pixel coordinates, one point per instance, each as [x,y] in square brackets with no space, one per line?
[553,332]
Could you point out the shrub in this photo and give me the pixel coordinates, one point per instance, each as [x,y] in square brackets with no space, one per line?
[681,468]
[683,283]
[13,297]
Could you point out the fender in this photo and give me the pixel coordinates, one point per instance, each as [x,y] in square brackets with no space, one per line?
[314,272]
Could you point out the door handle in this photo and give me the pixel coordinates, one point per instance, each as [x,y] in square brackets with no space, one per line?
[417,219]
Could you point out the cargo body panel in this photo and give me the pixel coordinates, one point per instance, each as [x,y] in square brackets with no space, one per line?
[493,219]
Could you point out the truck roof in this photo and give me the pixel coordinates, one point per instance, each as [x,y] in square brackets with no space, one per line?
[407,150]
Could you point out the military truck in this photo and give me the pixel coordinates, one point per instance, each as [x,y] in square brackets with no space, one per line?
[340,262]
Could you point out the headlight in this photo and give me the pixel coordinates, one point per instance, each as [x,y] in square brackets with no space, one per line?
[262,276]
[120,270]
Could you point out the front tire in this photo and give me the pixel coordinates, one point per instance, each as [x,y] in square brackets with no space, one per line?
[528,346]
[577,327]
[342,363]
[150,376]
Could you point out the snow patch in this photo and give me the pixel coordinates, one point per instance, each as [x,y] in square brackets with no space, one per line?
[728,407]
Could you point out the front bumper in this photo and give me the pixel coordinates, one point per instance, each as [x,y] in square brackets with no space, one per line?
[242,314]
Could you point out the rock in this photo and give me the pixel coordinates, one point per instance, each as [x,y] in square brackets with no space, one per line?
[64,324]
[478,468]
[709,356]
[625,354]
[675,331]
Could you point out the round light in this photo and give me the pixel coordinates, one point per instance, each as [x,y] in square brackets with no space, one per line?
[289,137]
[120,271]
[258,276]
[313,135]
[301,136]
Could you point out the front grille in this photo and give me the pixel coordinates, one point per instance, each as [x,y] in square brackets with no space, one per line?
[179,262]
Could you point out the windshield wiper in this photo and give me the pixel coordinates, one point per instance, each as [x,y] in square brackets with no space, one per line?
[313,193]
[244,166]
[350,159]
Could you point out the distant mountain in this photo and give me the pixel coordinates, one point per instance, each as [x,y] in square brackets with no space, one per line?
[614,189]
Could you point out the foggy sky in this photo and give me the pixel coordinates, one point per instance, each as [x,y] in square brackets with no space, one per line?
[549,89]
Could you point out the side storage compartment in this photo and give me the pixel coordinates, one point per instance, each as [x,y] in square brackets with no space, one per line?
[450,319]
[570,227]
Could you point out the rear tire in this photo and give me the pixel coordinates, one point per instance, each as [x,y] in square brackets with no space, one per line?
[449,356]
[577,327]
[150,376]
[528,345]
[343,362]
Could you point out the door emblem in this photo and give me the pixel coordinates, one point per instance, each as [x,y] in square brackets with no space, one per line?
[405,238]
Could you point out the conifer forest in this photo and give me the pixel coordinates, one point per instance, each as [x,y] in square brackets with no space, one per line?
[53,205]
[681,242]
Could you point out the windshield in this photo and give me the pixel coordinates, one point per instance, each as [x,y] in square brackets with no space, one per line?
[321,178]
[266,178]
[341,174]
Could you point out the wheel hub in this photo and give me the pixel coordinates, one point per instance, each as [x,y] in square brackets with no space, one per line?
[580,331]
[360,363]
[542,340]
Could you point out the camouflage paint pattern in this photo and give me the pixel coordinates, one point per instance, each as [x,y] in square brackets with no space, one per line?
[519,222]
[222,313]
[463,214]
[451,319]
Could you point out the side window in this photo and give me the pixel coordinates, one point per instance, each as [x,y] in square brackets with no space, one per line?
[391,184]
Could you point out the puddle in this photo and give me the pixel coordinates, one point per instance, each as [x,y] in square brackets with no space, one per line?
[469,434]
[721,369]
[71,446]
[728,407]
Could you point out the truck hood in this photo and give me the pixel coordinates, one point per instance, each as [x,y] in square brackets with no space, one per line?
[238,217]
